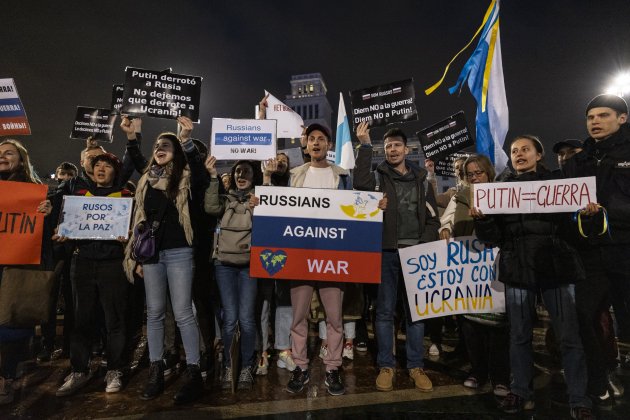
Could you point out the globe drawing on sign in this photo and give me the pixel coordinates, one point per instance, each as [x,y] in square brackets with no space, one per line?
[273,261]
[365,206]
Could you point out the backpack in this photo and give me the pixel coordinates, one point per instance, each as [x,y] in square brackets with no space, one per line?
[234,233]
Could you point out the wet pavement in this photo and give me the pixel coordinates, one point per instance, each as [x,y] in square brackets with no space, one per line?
[35,398]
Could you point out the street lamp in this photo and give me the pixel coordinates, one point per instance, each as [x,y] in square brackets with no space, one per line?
[621,85]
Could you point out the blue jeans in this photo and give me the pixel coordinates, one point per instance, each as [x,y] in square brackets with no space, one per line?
[521,312]
[238,298]
[391,280]
[175,271]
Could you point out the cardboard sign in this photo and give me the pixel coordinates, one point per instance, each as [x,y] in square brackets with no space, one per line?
[446,137]
[553,196]
[446,166]
[317,234]
[117,98]
[161,94]
[13,119]
[243,139]
[96,123]
[451,277]
[95,217]
[289,122]
[21,225]
[384,104]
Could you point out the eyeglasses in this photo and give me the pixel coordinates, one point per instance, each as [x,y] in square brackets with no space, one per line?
[475,173]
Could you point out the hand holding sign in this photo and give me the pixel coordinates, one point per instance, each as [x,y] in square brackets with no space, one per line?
[262,107]
[128,127]
[186,128]
[429,165]
[591,209]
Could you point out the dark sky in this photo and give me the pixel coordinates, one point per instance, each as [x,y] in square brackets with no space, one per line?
[556,56]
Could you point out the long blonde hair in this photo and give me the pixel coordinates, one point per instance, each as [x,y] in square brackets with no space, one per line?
[26,172]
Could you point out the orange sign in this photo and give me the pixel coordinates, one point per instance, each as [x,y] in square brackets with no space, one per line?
[21,225]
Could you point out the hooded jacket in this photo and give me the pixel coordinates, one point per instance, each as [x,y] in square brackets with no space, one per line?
[366,180]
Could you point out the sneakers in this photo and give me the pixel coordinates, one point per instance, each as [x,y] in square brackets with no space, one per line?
[226,380]
[348,351]
[421,380]
[501,391]
[44,355]
[171,363]
[245,379]
[263,364]
[471,382]
[299,378]
[155,382]
[434,350]
[513,404]
[385,379]
[113,378]
[614,385]
[334,384]
[6,390]
[582,413]
[285,360]
[323,351]
[193,386]
[604,401]
[361,346]
[74,382]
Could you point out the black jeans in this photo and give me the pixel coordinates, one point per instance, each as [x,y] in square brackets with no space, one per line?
[98,282]
[488,350]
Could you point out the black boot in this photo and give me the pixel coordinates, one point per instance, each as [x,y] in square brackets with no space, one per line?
[155,383]
[192,388]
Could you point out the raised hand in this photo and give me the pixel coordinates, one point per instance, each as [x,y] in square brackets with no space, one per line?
[211,166]
[186,128]
[363,132]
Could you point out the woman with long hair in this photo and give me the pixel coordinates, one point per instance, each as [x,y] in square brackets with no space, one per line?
[168,197]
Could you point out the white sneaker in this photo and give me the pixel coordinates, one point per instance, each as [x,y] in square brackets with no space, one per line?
[348,351]
[74,382]
[323,352]
[285,361]
[114,381]
[6,391]
[434,350]
[263,365]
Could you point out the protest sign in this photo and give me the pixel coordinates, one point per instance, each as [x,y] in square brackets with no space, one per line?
[384,104]
[21,225]
[445,137]
[161,94]
[552,196]
[317,234]
[13,119]
[295,156]
[446,166]
[451,277]
[289,122]
[117,98]
[95,123]
[95,217]
[243,139]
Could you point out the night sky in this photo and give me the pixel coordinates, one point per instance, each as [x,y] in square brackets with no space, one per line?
[557,55]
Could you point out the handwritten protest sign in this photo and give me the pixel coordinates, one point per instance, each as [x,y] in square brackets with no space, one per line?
[384,104]
[445,137]
[95,217]
[446,166]
[243,139]
[13,119]
[96,123]
[161,94]
[289,122]
[317,234]
[553,196]
[451,277]
[118,92]
[21,226]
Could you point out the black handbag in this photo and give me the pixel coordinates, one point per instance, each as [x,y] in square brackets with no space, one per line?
[144,246]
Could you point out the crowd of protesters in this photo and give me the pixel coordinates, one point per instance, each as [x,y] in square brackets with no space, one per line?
[201,296]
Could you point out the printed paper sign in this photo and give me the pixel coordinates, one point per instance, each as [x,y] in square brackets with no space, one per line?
[553,196]
[161,94]
[385,104]
[446,166]
[117,98]
[289,122]
[243,139]
[317,234]
[13,119]
[21,225]
[95,217]
[446,137]
[93,123]
[451,277]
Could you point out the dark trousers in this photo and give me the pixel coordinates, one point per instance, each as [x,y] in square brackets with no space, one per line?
[63,286]
[487,348]
[98,283]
